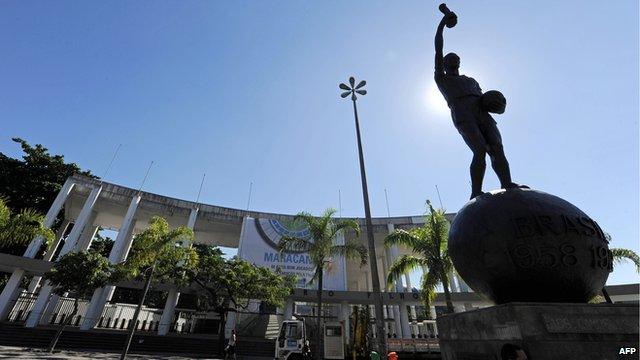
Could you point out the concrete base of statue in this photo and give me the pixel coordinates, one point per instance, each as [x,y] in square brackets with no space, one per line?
[543,331]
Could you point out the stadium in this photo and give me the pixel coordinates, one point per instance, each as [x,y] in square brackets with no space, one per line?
[88,205]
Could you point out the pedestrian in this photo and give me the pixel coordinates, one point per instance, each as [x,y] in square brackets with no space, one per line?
[306,351]
[512,352]
[230,349]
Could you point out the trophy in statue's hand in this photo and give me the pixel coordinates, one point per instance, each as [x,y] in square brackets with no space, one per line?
[450,18]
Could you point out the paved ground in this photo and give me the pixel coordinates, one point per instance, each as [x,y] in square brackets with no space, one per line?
[11,352]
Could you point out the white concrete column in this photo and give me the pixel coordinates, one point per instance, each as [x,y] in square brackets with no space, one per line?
[345,310]
[288,309]
[118,254]
[172,298]
[397,317]
[89,232]
[10,293]
[372,324]
[35,317]
[86,214]
[50,218]
[341,263]
[83,243]
[387,261]
[169,310]
[462,284]
[404,323]
[453,282]
[48,256]
[12,288]
[232,316]
[393,255]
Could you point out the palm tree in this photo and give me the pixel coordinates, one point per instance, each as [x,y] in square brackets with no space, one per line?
[20,229]
[156,254]
[321,248]
[620,256]
[429,246]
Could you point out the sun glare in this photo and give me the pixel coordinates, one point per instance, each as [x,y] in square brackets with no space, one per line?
[435,101]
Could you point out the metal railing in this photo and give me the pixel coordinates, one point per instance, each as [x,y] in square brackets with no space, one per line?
[22,308]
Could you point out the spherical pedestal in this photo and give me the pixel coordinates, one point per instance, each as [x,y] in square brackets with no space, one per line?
[529,246]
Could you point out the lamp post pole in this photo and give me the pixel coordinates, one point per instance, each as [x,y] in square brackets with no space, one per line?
[375,280]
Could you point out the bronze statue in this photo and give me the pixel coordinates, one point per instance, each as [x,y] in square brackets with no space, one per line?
[470,112]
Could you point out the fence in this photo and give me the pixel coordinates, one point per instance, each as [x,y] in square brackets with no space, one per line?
[62,310]
[414,345]
[118,316]
[22,308]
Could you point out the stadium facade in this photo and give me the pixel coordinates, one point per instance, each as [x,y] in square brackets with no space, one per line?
[88,204]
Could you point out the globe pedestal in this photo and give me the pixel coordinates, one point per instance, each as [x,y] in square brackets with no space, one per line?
[541,259]
[526,245]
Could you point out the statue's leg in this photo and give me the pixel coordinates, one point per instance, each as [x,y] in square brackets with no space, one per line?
[473,138]
[499,161]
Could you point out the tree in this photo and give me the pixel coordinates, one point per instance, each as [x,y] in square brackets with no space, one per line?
[20,229]
[227,285]
[619,256]
[361,332]
[429,246]
[623,255]
[79,273]
[157,255]
[321,248]
[102,244]
[34,181]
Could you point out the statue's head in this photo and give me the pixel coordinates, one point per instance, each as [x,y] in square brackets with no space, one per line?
[451,63]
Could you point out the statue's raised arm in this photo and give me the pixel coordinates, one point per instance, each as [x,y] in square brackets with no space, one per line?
[450,20]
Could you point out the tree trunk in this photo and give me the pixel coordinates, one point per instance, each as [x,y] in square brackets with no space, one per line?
[319,334]
[447,294]
[147,283]
[221,333]
[606,296]
[67,321]
[354,341]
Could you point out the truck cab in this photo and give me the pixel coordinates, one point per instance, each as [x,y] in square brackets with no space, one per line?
[290,340]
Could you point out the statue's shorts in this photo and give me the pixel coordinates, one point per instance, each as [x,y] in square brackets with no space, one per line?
[477,127]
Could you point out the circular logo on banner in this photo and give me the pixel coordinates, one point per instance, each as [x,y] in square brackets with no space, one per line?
[272,231]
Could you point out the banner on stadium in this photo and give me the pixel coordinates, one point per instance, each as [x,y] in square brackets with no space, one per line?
[259,245]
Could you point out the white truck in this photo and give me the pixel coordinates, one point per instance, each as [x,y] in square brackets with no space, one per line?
[290,341]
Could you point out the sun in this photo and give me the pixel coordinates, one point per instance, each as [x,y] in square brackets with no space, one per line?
[435,101]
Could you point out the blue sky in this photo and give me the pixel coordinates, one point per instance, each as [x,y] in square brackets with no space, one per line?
[247,92]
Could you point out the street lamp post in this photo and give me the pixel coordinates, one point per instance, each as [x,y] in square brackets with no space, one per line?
[353,89]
